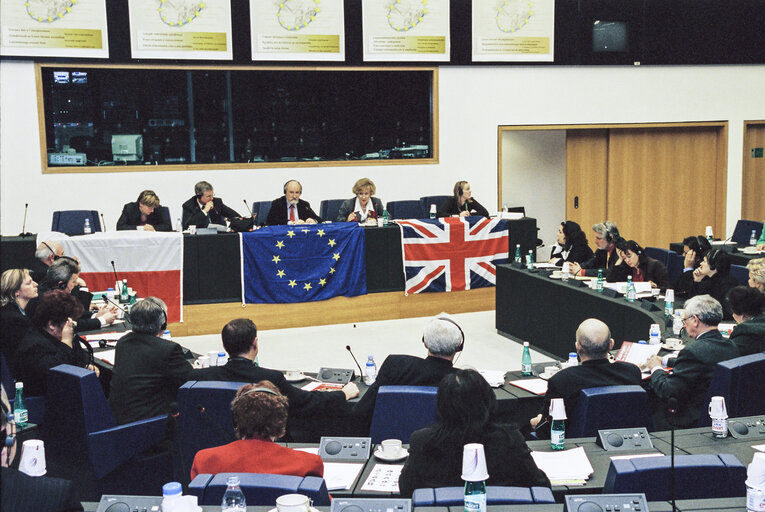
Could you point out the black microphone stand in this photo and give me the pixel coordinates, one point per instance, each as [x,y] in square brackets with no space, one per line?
[23,233]
[361,374]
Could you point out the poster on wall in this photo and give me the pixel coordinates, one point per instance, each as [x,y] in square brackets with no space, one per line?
[180,29]
[54,28]
[297,30]
[406,30]
[513,30]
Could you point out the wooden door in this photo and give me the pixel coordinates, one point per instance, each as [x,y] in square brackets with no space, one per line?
[753,179]
[586,177]
[666,183]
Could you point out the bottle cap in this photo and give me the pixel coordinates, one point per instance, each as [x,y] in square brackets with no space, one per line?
[232,480]
[717,408]
[474,463]
[19,385]
[557,409]
[525,343]
[171,489]
[572,355]
[755,474]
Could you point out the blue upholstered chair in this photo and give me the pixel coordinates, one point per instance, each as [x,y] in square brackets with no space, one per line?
[609,407]
[35,404]
[71,222]
[426,201]
[675,265]
[696,477]
[204,418]
[406,209]
[740,273]
[164,212]
[740,381]
[400,410]
[261,208]
[743,231]
[658,254]
[495,495]
[329,208]
[259,489]
[82,437]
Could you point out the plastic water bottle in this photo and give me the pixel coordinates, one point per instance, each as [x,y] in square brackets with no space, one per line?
[669,303]
[86,227]
[20,413]
[386,217]
[124,296]
[753,239]
[233,498]
[166,335]
[178,225]
[654,334]
[573,360]
[222,358]
[631,294]
[526,360]
[370,372]
[475,496]
[755,484]
[432,211]
[566,271]
[518,258]
[709,233]
[171,496]
[599,284]
[558,434]
[719,415]
[530,261]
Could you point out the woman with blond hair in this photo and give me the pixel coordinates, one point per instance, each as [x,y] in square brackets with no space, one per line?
[145,214]
[362,207]
[757,274]
[17,288]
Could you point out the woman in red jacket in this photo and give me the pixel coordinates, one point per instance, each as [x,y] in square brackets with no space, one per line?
[260,415]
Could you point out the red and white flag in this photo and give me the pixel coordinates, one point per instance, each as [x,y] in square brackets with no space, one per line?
[152,263]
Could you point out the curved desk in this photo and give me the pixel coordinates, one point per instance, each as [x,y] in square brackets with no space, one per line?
[546,312]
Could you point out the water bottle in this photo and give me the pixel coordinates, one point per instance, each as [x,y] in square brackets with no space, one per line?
[677,322]
[171,496]
[753,239]
[566,271]
[166,335]
[222,358]
[631,294]
[558,434]
[475,496]
[599,284]
[370,372]
[178,225]
[573,360]
[86,227]
[669,303]
[654,334]
[432,211]
[518,258]
[530,261]
[20,413]
[719,415]
[755,484]
[526,360]
[386,217]
[124,296]
[233,498]
[709,233]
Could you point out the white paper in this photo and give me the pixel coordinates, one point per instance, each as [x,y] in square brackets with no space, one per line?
[564,465]
[107,336]
[641,287]
[637,456]
[545,265]
[383,478]
[510,215]
[342,475]
[495,378]
[637,353]
[536,386]
[759,447]
[106,355]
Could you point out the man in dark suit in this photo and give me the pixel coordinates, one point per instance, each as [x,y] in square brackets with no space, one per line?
[24,493]
[593,343]
[693,368]
[240,339]
[443,338]
[290,209]
[144,214]
[204,209]
[148,370]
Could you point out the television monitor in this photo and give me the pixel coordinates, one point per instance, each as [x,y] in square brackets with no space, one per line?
[610,36]
[127,148]
[61,77]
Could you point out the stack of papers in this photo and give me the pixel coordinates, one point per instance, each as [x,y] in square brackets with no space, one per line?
[536,386]
[641,287]
[637,353]
[495,378]
[339,476]
[566,467]
[383,478]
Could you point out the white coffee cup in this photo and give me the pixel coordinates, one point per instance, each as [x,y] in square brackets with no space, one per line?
[202,362]
[293,374]
[557,273]
[213,355]
[32,458]
[293,503]
[391,447]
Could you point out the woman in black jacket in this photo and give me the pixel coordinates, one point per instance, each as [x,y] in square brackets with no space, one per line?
[462,203]
[572,245]
[712,277]
[633,262]
[17,288]
[464,406]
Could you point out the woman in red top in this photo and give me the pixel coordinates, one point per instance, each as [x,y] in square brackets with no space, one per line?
[260,415]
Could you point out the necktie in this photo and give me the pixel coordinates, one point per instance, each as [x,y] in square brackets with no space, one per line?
[292,213]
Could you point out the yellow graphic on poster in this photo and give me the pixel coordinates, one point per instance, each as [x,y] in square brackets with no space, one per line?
[53,28]
[180,29]
[297,30]
[513,30]
[406,30]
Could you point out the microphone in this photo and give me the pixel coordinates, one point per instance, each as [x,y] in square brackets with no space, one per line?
[24,225]
[672,409]
[114,269]
[348,348]
[249,210]
[125,311]
[103,223]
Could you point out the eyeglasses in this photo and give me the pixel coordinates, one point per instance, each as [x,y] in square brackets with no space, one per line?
[687,318]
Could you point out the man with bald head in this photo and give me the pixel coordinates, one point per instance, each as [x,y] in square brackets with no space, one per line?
[593,343]
[290,209]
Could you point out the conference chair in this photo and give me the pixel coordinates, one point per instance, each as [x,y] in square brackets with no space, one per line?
[84,443]
[405,209]
[261,208]
[495,495]
[259,489]
[609,407]
[740,381]
[71,222]
[164,212]
[400,410]
[675,265]
[743,231]
[426,201]
[740,273]
[329,208]
[204,419]
[35,404]
[696,477]
[658,254]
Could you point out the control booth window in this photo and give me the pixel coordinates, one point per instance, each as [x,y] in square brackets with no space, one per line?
[236,118]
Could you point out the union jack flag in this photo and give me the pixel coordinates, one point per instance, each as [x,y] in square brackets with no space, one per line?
[453,253]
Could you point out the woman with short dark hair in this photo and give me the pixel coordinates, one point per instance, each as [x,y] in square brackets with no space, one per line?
[634,262]
[465,405]
[748,308]
[260,418]
[712,277]
[571,245]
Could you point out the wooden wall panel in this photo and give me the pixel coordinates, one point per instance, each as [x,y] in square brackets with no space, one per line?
[753,179]
[664,183]
[587,177]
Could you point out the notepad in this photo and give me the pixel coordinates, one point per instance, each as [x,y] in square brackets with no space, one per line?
[106,356]
[337,475]
[565,467]
[383,478]
[536,386]
[636,353]
[495,378]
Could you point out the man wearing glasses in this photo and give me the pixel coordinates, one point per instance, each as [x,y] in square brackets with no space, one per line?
[692,371]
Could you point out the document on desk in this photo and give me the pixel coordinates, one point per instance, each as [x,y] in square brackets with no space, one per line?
[338,476]
[759,447]
[383,478]
[636,353]
[106,356]
[495,378]
[536,386]
[567,467]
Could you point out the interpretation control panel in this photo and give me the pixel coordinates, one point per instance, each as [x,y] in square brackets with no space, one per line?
[749,427]
[371,505]
[118,503]
[622,439]
[335,375]
[606,503]
[345,449]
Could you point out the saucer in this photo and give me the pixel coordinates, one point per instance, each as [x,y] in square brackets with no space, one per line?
[404,453]
[558,276]
[295,379]
[750,250]
[673,346]
[313,509]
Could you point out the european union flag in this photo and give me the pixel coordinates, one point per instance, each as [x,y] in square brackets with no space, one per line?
[301,263]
